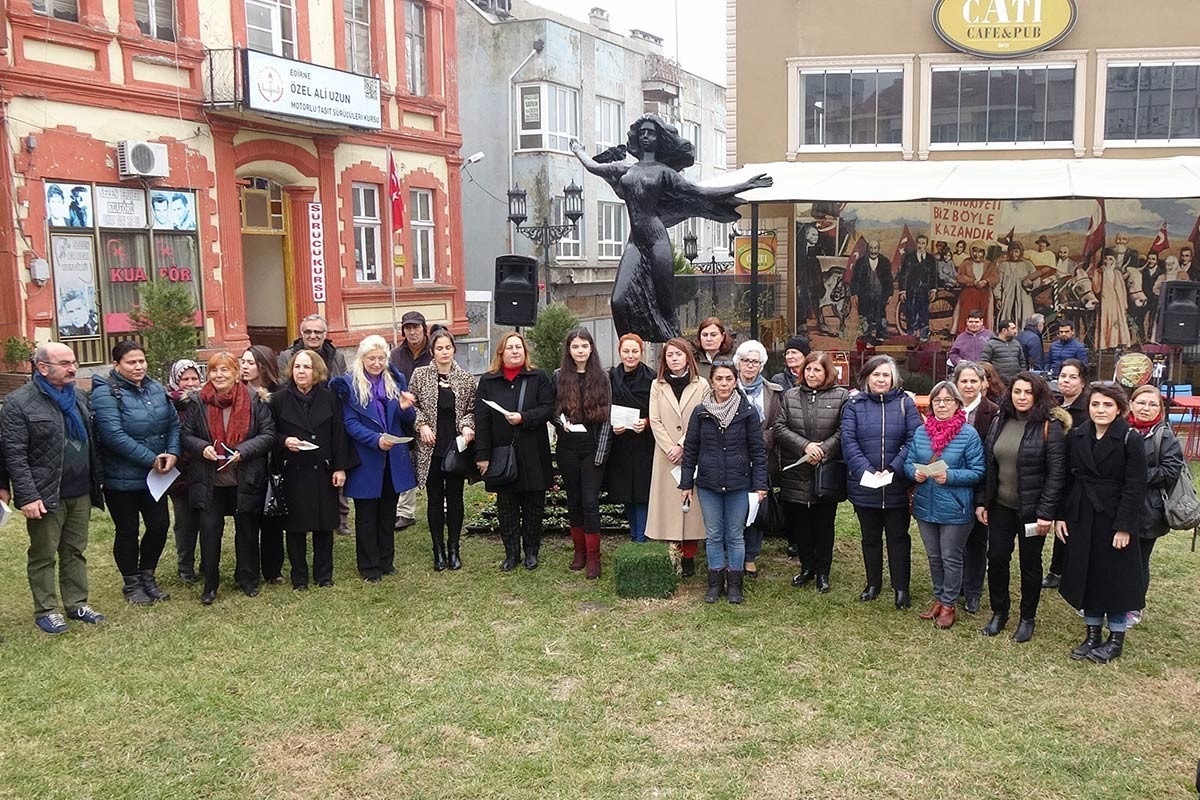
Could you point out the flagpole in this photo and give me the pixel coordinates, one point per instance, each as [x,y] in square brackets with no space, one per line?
[392,245]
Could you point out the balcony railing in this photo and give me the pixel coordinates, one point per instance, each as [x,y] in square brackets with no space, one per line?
[222,75]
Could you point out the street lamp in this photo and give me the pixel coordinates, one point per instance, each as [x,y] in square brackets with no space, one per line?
[546,235]
[712,267]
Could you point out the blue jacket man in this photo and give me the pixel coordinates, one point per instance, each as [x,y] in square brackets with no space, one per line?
[1031,341]
[1064,347]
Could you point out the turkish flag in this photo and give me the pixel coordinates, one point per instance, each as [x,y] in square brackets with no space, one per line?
[1094,242]
[1161,242]
[860,250]
[396,194]
[907,244]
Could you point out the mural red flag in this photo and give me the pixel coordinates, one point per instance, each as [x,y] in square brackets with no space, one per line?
[1195,238]
[1161,242]
[1094,242]
[907,244]
[396,195]
[860,250]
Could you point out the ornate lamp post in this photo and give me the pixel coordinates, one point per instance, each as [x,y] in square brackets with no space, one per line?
[712,267]
[546,234]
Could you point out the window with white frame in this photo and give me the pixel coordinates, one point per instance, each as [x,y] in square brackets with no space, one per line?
[414,47]
[719,154]
[612,230]
[1152,101]
[58,9]
[357,16]
[570,246]
[548,117]
[1010,104]
[691,131]
[271,27]
[367,225]
[420,213]
[156,18]
[851,107]
[610,122]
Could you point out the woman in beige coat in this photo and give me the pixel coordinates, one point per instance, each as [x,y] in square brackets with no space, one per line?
[673,395]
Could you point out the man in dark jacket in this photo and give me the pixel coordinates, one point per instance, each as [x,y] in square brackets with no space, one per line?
[870,288]
[1004,352]
[1064,347]
[918,285]
[411,353]
[52,460]
[1031,340]
[314,332]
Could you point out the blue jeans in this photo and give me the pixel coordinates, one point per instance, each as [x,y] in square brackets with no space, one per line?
[636,514]
[724,521]
[944,545]
[1117,623]
[753,536]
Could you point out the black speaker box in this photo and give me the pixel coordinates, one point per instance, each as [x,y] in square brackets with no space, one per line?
[1179,313]
[516,295]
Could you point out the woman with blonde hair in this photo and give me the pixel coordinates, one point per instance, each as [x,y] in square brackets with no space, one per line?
[379,413]
[512,448]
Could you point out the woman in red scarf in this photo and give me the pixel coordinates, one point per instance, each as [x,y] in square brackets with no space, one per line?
[228,434]
[1164,462]
[945,461]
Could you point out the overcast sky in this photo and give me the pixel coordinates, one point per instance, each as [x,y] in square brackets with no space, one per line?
[701,27]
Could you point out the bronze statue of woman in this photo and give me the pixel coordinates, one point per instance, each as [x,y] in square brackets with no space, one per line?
[656,197]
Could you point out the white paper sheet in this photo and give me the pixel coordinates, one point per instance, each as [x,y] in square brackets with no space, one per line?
[573,427]
[623,416]
[871,482]
[5,513]
[387,437]
[938,467]
[677,475]
[497,406]
[308,445]
[754,505]
[460,442]
[158,482]
[802,460]
[1031,529]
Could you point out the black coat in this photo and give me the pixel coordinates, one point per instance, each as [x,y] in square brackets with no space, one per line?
[1107,487]
[807,416]
[311,498]
[535,471]
[985,414]
[1164,465]
[730,460]
[631,461]
[1041,468]
[252,468]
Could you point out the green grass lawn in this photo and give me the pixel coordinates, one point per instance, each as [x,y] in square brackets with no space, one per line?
[477,684]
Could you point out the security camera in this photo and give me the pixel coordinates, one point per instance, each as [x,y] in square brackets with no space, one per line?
[474,158]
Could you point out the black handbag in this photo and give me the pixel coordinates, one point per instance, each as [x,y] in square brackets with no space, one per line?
[502,466]
[830,481]
[461,463]
[770,514]
[276,504]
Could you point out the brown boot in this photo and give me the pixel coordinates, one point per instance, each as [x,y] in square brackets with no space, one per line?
[592,541]
[945,617]
[932,612]
[580,549]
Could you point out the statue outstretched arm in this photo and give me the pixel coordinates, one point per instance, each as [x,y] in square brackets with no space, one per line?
[609,172]
[761,181]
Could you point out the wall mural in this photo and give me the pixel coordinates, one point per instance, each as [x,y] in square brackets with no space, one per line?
[902,273]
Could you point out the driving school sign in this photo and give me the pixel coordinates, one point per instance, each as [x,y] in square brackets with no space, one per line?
[1003,28]
[316,249]
[310,91]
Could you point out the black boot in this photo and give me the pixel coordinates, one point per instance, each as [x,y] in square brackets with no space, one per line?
[803,577]
[133,591]
[688,567]
[1024,631]
[533,545]
[734,577]
[439,551]
[716,584]
[1110,649]
[869,593]
[1089,643]
[902,600]
[452,559]
[512,554]
[995,625]
[823,583]
[150,586]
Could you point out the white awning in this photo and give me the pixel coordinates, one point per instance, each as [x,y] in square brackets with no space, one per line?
[894,181]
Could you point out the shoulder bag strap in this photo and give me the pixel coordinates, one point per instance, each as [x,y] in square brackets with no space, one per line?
[520,403]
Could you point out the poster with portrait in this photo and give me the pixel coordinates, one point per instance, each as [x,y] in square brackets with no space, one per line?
[173,210]
[75,299]
[68,205]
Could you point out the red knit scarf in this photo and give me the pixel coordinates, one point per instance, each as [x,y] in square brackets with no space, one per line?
[1144,427]
[942,431]
[239,418]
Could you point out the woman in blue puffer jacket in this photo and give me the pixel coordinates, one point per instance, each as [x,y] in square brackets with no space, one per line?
[943,502]
[877,426]
[138,430]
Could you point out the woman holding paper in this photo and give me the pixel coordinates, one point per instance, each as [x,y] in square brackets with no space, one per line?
[627,476]
[1025,453]
[445,395]
[138,433]
[725,459]
[582,406]
[378,412]
[228,433]
[808,430]
[878,424]
[313,455]
[749,360]
[513,403]
[945,461]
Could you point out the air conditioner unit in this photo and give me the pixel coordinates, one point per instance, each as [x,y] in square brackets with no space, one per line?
[142,160]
